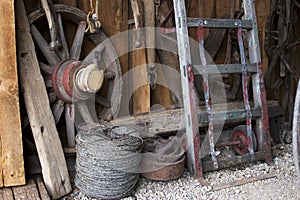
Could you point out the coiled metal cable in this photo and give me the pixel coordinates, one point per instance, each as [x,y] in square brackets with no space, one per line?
[108,161]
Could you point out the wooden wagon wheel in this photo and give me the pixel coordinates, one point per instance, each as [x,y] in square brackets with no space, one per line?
[75,72]
[296,132]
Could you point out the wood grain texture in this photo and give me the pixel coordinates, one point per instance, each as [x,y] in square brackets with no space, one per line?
[162,95]
[262,11]
[173,120]
[42,123]
[41,188]
[29,191]
[12,164]
[113,16]
[6,193]
[141,97]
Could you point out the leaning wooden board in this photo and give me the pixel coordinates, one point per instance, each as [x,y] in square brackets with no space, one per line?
[42,123]
[11,150]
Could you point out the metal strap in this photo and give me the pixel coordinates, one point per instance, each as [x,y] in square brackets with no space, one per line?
[207,95]
[245,90]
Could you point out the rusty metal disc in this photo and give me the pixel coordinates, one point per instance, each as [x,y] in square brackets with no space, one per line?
[167,173]
[240,135]
[163,159]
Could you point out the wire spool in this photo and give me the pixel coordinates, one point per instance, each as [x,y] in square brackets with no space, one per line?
[108,161]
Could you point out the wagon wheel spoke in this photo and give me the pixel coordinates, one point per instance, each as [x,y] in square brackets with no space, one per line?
[46,69]
[85,112]
[65,50]
[65,64]
[57,110]
[109,75]
[50,56]
[102,101]
[95,55]
[70,116]
[48,84]
[52,96]
[78,40]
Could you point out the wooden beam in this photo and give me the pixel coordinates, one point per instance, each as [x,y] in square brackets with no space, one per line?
[11,150]
[41,120]
[173,120]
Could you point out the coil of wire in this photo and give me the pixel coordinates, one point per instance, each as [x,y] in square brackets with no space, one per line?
[108,161]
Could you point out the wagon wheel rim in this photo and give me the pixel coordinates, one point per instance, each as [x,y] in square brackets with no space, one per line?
[52,61]
[296,132]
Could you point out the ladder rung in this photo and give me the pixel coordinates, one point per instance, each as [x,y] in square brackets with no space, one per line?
[225,69]
[220,23]
[231,116]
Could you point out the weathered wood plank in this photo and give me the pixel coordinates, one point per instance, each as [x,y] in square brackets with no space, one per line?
[42,123]
[11,164]
[41,188]
[6,193]
[29,191]
[173,120]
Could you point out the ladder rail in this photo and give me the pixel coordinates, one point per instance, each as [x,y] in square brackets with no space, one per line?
[188,91]
[245,89]
[259,93]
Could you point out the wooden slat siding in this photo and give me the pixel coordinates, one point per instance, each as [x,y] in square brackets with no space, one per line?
[113,16]
[262,11]
[162,95]
[29,191]
[6,194]
[141,97]
[11,164]
[42,123]
[71,2]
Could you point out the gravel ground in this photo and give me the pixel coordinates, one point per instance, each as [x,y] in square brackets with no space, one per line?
[283,186]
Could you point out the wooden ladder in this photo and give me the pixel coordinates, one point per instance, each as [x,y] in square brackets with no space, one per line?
[188,70]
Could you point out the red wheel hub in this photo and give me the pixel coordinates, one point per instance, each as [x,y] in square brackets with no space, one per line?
[63,79]
[243,142]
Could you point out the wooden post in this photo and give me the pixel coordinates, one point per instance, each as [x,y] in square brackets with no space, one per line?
[41,120]
[11,164]
[141,97]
